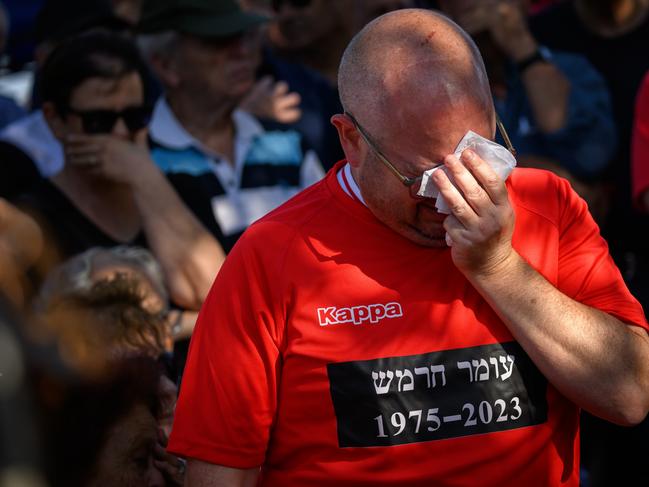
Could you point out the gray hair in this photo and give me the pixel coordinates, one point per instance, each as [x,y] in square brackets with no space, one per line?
[74,276]
[159,44]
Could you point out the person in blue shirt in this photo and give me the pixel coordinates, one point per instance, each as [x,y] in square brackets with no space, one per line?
[555,105]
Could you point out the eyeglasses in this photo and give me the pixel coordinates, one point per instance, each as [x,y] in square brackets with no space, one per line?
[278,4]
[103,121]
[413,183]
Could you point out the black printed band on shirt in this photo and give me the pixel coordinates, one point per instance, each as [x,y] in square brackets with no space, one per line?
[438,395]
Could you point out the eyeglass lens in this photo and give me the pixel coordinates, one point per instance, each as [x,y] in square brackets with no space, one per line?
[103,121]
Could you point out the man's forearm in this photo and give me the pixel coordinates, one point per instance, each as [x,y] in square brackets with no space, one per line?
[593,359]
[190,256]
[161,208]
[548,91]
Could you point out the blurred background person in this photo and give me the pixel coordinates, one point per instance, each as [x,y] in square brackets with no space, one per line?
[640,148]
[21,245]
[312,32]
[30,136]
[612,35]
[555,105]
[128,10]
[291,92]
[84,396]
[103,431]
[226,166]
[99,322]
[302,48]
[80,273]
[109,191]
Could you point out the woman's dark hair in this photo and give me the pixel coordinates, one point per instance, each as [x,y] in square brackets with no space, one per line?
[101,54]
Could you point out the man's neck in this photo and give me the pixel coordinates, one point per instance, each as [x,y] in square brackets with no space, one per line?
[210,124]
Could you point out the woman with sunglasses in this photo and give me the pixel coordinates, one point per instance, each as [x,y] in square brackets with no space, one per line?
[109,191]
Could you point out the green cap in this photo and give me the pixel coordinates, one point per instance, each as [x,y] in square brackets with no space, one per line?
[203,18]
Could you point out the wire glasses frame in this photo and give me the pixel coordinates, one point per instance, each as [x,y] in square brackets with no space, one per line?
[410,181]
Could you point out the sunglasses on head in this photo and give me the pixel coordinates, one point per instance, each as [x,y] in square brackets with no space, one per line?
[278,4]
[103,121]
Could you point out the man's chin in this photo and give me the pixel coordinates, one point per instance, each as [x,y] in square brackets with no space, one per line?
[434,238]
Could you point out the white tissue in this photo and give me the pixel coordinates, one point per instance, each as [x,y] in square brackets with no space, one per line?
[498,157]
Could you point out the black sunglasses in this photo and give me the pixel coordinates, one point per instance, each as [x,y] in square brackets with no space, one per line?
[278,4]
[103,121]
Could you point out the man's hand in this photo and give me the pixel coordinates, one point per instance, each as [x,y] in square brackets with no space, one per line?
[273,100]
[481,222]
[508,28]
[189,256]
[172,467]
[505,20]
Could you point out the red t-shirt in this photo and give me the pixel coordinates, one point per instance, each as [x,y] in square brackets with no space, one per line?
[336,352]
[640,143]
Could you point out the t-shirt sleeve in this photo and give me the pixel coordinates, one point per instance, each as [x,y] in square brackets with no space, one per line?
[587,273]
[228,395]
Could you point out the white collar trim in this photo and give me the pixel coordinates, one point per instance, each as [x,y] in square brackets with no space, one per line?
[165,129]
[347,176]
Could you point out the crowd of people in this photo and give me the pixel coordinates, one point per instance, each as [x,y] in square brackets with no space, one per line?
[152,134]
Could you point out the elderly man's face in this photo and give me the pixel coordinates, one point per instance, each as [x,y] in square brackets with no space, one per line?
[414,142]
[219,68]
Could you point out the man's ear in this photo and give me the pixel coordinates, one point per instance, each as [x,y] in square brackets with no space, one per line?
[350,139]
[54,120]
[164,68]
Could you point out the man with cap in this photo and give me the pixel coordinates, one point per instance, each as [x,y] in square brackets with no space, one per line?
[229,169]
[359,336]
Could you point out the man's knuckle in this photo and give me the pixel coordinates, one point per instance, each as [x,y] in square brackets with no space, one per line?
[493,181]
[458,208]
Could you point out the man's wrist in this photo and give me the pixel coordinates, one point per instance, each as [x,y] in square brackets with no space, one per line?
[540,55]
[503,270]
[523,48]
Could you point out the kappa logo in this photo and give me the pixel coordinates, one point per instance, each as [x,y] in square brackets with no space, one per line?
[359,314]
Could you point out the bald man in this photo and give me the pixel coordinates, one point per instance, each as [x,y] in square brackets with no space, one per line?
[345,343]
